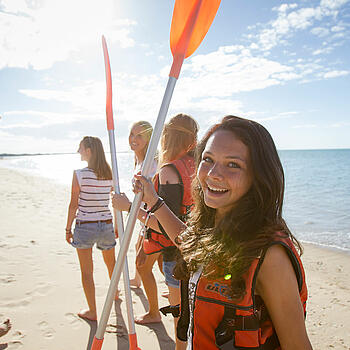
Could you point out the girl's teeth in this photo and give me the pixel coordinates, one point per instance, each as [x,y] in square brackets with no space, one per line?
[216,189]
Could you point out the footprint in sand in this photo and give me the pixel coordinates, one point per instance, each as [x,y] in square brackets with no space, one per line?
[46,331]
[15,344]
[73,320]
[21,302]
[18,335]
[7,278]
[120,331]
[65,252]
[41,290]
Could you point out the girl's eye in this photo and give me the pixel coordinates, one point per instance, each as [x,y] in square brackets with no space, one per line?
[233,165]
[207,159]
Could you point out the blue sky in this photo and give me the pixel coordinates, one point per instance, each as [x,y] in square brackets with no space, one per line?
[285,64]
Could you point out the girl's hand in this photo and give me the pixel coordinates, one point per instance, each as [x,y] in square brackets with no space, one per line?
[69,237]
[121,202]
[146,186]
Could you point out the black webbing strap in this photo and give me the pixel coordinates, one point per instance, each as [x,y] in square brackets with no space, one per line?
[231,323]
[171,309]
[184,320]
[183,312]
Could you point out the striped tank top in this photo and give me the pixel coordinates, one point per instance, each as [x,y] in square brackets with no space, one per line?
[94,197]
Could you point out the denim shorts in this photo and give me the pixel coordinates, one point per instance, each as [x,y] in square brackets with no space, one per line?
[87,234]
[168,267]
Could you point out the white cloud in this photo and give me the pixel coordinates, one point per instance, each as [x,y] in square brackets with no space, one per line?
[88,97]
[228,71]
[42,35]
[279,116]
[325,50]
[305,126]
[340,125]
[319,31]
[333,4]
[38,119]
[291,18]
[285,7]
[337,29]
[335,74]
[219,74]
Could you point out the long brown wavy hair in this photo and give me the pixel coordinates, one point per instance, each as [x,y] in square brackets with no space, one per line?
[97,161]
[230,246]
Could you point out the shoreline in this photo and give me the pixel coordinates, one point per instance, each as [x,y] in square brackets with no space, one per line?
[320,246]
[41,289]
[27,172]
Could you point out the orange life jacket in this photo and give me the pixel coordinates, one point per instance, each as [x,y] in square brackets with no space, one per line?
[218,322]
[154,241]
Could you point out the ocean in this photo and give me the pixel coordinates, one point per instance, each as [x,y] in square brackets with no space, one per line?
[317,194]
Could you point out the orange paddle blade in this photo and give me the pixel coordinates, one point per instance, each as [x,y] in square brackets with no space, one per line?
[182,12]
[109,108]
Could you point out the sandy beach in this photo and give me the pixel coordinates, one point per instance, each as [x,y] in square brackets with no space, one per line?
[41,291]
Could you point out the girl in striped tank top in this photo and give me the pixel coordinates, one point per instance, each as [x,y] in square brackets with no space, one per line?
[89,207]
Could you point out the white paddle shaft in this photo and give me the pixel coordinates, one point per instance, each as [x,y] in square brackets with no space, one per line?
[135,207]
[114,281]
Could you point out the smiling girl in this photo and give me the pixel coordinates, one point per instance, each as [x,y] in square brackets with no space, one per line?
[244,283]
[139,137]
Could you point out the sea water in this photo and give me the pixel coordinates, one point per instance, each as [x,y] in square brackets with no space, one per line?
[317,193]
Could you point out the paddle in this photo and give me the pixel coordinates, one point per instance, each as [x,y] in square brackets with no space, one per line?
[98,339]
[191,21]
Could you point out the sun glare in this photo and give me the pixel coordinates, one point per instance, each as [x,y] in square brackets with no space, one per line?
[75,20]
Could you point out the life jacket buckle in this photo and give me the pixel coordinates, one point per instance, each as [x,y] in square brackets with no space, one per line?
[224,331]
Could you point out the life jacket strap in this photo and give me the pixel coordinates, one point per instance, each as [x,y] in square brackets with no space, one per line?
[171,309]
[184,320]
[231,323]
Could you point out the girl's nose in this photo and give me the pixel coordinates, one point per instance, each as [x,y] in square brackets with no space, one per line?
[215,171]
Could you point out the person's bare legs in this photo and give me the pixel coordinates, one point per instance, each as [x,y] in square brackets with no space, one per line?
[149,283]
[136,281]
[109,259]
[5,327]
[160,263]
[175,299]
[87,279]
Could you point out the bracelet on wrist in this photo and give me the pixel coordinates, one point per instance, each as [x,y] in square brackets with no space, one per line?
[68,230]
[157,205]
